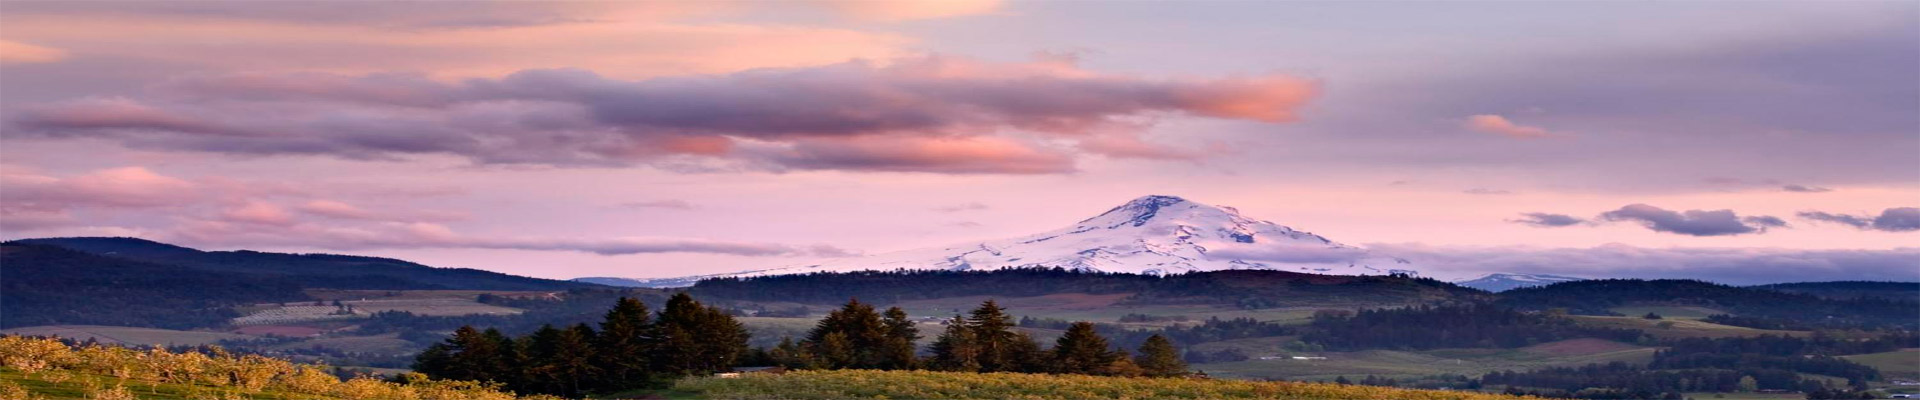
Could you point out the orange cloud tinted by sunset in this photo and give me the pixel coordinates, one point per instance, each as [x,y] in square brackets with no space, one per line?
[1499,125]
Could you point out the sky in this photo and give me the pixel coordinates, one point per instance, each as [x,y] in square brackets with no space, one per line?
[1766,141]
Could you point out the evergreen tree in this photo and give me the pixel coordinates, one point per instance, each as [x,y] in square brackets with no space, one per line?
[1082,351]
[560,360]
[1025,355]
[791,355]
[624,344]
[861,341]
[993,331]
[470,354]
[956,349]
[898,352]
[695,339]
[1159,358]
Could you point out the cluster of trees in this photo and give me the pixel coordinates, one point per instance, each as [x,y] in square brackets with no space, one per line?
[1619,380]
[1212,330]
[858,337]
[1246,288]
[1757,305]
[631,348]
[1449,326]
[1732,364]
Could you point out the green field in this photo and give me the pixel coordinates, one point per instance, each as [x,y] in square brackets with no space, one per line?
[126,335]
[1409,364]
[1900,364]
[1680,328]
[1668,312]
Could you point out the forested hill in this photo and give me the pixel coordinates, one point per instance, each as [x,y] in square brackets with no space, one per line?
[1755,306]
[53,285]
[1246,288]
[1851,289]
[307,270]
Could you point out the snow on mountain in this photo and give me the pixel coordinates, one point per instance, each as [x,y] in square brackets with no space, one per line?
[1149,235]
[1500,282]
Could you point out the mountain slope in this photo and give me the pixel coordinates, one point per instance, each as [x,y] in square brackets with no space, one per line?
[308,270]
[1153,235]
[1906,291]
[46,285]
[1499,282]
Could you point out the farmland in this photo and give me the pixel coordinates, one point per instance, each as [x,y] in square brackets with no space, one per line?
[1405,364]
[1679,328]
[1901,364]
[421,302]
[1669,312]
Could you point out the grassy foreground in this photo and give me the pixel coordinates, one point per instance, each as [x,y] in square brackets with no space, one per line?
[852,384]
[36,368]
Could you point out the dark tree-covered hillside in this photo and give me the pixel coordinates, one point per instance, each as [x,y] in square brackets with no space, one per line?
[1245,288]
[1595,297]
[46,285]
[309,270]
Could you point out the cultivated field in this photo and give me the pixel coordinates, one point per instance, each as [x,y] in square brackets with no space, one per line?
[440,303]
[1680,328]
[1668,312]
[121,335]
[1410,364]
[1900,364]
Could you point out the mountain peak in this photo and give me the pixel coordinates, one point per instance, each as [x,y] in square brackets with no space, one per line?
[1138,211]
[1155,234]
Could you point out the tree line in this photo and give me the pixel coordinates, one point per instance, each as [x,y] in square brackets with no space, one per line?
[632,348]
[984,340]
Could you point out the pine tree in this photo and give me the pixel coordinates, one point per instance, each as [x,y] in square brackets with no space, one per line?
[1159,358]
[956,349]
[696,339]
[898,352]
[791,355]
[862,333]
[1082,351]
[624,344]
[560,360]
[993,330]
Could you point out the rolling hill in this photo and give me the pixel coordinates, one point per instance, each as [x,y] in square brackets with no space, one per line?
[307,270]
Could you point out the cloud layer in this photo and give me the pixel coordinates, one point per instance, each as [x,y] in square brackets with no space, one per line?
[930,114]
[1899,219]
[1726,265]
[1693,222]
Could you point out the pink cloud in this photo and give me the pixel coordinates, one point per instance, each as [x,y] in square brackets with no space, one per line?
[116,187]
[12,52]
[911,10]
[951,155]
[1499,125]
[927,114]
[259,213]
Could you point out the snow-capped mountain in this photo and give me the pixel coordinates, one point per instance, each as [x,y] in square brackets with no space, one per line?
[1501,282]
[1149,235]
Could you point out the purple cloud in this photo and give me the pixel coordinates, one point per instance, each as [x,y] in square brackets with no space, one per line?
[932,114]
[1547,220]
[1899,219]
[1693,222]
